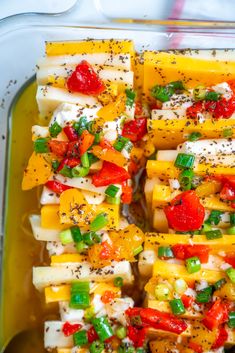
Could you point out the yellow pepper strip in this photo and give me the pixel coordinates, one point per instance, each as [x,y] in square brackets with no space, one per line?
[153,240]
[166,270]
[50,217]
[109,155]
[37,172]
[164,306]
[57,293]
[114,109]
[65,258]
[165,169]
[207,188]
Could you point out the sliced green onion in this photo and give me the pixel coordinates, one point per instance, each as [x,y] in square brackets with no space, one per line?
[232,219]
[204,296]
[128,146]
[97,138]
[89,313]
[194,136]
[212,96]
[55,164]
[177,85]
[121,332]
[165,252]
[184,161]
[90,238]
[227,133]
[96,347]
[180,285]
[219,283]
[120,143]
[66,237]
[85,160]
[213,234]
[130,97]
[55,129]
[81,125]
[199,93]
[138,250]
[41,145]
[231,319]
[214,217]
[118,282]
[80,287]
[205,228]
[231,230]
[177,306]
[76,234]
[193,264]
[102,328]
[81,246]
[92,158]
[140,350]
[162,291]
[66,171]
[112,190]
[78,171]
[79,300]
[113,200]
[231,274]
[80,338]
[90,127]
[185,179]
[100,221]
[162,93]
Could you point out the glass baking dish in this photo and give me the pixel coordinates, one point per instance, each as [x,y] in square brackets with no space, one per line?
[23,42]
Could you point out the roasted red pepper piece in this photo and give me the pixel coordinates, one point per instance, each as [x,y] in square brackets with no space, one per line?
[126,194]
[221,338]
[186,212]
[192,112]
[222,108]
[92,335]
[185,251]
[74,149]
[195,347]
[110,174]
[85,80]
[137,336]
[56,187]
[59,148]
[69,329]
[216,315]
[71,133]
[135,129]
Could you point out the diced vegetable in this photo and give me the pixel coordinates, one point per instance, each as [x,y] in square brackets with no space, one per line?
[231,274]
[80,338]
[41,145]
[177,306]
[99,222]
[165,252]
[55,129]
[110,174]
[214,234]
[184,161]
[162,291]
[193,264]
[103,328]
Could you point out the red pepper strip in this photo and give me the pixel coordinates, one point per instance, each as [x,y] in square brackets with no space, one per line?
[71,133]
[137,336]
[85,142]
[222,108]
[158,320]
[92,335]
[110,174]
[191,112]
[69,329]
[216,315]
[57,187]
[221,338]
[187,300]
[135,129]
[195,347]
[230,259]
[186,212]
[59,148]
[126,195]
[185,251]
[85,80]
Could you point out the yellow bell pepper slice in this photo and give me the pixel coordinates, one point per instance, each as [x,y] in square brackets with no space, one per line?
[57,293]
[164,306]
[208,188]
[65,258]
[37,172]
[109,155]
[114,109]
[50,217]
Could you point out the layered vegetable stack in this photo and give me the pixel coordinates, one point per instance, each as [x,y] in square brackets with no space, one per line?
[97,130]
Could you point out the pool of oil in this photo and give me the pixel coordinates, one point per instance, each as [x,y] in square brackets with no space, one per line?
[22,307]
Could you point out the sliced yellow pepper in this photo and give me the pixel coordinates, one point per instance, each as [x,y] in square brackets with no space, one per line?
[109,155]
[114,109]
[37,172]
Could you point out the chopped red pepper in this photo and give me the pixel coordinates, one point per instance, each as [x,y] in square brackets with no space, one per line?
[216,315]
[107,251]
[187,300]
[195,347]
[137,336]
[71,133]
[74,149]
[192,112]
[186,212]
[92,335]
[222,108]
[70,162]
[138,108]
[185,251]
[57,187]
[227,193]
[230,259]
[126,194]
[69,329]
[135,129]
[106,144]
[107,296]
[221,338]
[85,142]
[158,320]
[110,174]
[133,168]
[85,80]
[59,148]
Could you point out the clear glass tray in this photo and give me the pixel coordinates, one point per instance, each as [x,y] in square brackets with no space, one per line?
[22,43]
